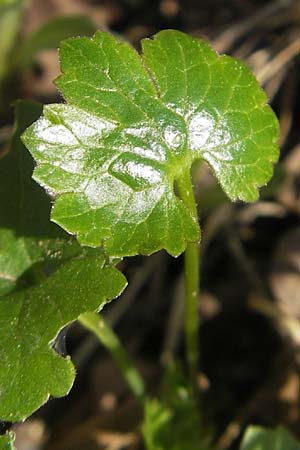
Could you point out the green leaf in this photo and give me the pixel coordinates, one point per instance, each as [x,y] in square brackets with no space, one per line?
[27,236]
[7,442]
[258,438]
[17,249]
[11,2]
[55,281]
[49,35]
[117,157]
[157,419]
[29,322]
[174,423]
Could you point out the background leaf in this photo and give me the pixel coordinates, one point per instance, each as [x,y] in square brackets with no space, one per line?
[49,35]
[10,20]
[258,438]
[117,155]
[30,320]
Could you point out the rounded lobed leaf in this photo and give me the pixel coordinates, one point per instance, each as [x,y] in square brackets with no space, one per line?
[30,321]
[131,130]
[32,248]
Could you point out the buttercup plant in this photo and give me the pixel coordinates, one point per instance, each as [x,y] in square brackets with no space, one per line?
[116,161]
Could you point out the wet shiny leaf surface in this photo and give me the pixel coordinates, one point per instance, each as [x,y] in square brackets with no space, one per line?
[51,280]
[131,130]
[27,237]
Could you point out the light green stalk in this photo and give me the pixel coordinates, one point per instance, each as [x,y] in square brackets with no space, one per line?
[96,323]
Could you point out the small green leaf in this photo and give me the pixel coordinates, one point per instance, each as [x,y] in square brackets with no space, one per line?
[157,419]
[174,423]
[114,156]
[7,441]
[258,438]
[31,319]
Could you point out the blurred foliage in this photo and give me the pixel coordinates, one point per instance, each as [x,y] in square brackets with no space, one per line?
[258,438]
[174,422]
[7,442]
[17,54]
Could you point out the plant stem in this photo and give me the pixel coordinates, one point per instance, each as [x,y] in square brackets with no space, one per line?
[96,323]
[191,276]
[192,322]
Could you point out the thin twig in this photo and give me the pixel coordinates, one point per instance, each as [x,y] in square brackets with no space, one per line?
[90,343]
[234,32]
[278,62]
[114,315]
